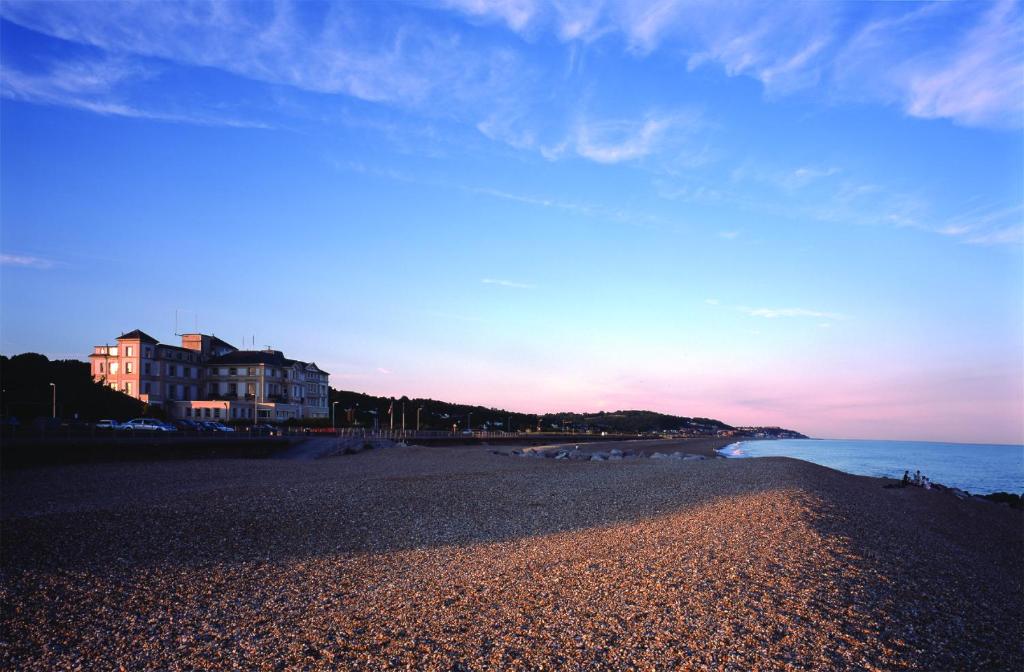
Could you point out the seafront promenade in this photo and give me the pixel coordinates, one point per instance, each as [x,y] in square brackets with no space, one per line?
[461,558]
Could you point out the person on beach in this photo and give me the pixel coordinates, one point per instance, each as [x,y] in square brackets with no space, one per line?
[917,478]
[906,478]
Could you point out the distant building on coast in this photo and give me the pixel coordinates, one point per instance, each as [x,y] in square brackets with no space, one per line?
[207,378]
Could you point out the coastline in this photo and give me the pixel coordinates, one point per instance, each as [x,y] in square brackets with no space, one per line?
[989,473]
[440,558]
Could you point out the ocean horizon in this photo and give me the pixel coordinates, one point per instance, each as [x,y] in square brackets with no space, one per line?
[978,468]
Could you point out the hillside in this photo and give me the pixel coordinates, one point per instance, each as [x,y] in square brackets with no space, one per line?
[356,409]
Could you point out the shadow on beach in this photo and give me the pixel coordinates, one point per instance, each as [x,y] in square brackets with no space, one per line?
[777,547]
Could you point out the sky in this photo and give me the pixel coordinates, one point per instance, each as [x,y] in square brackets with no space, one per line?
[799,214]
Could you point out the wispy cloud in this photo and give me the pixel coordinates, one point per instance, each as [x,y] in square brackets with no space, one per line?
[975,76]
[615,141]
[507,283]
[98,86]
[516,14]
[612,141]
[728,235]
[789,179]
[26,261]
[773,313]
[407,63]
[884,53]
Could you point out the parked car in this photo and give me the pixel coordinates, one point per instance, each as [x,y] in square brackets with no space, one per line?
[187,425]
[108,424]
[169,427]
[263,430]
[210,426]
[46,424]
[143,424]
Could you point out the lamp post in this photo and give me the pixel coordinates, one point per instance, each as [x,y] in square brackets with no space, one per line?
[53,413]
[469,421]
[418,418]
[334,420]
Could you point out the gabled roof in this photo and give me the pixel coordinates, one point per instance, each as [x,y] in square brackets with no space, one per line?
[273,358]
[137,334]
[214,341]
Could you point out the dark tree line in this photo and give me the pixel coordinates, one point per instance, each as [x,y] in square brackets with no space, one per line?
[27,394]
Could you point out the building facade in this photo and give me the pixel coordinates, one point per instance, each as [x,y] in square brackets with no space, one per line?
[206,378]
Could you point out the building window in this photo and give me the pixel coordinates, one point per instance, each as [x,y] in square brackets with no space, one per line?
[112,352]
[216,413]
[145,388]
[233,389]
[127,388]
[145,367]
[113,368]
[128,367]
[188,372]
[206,412]
[233,372]
[252,371]
[148,352]
[101,367]
[129,351]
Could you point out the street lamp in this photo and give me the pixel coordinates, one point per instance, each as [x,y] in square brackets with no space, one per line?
[469,421]
[418,418]
[54,411]
[334,422]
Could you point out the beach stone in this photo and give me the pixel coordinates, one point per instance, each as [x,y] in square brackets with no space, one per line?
[616,451]
[598,458]
[659,456]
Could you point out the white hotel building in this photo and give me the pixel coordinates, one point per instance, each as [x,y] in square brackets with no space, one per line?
[206,378]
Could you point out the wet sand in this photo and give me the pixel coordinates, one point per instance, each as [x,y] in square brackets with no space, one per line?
[438,558]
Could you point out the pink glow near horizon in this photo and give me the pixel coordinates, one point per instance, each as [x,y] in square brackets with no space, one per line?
[976,408]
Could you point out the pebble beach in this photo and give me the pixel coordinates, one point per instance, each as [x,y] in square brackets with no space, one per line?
[466,559]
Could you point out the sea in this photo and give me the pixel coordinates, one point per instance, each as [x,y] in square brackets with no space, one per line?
[980,469]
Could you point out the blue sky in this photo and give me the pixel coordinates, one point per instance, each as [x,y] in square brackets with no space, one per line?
[808,215]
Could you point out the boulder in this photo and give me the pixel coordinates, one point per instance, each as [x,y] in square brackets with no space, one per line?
[659,456]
